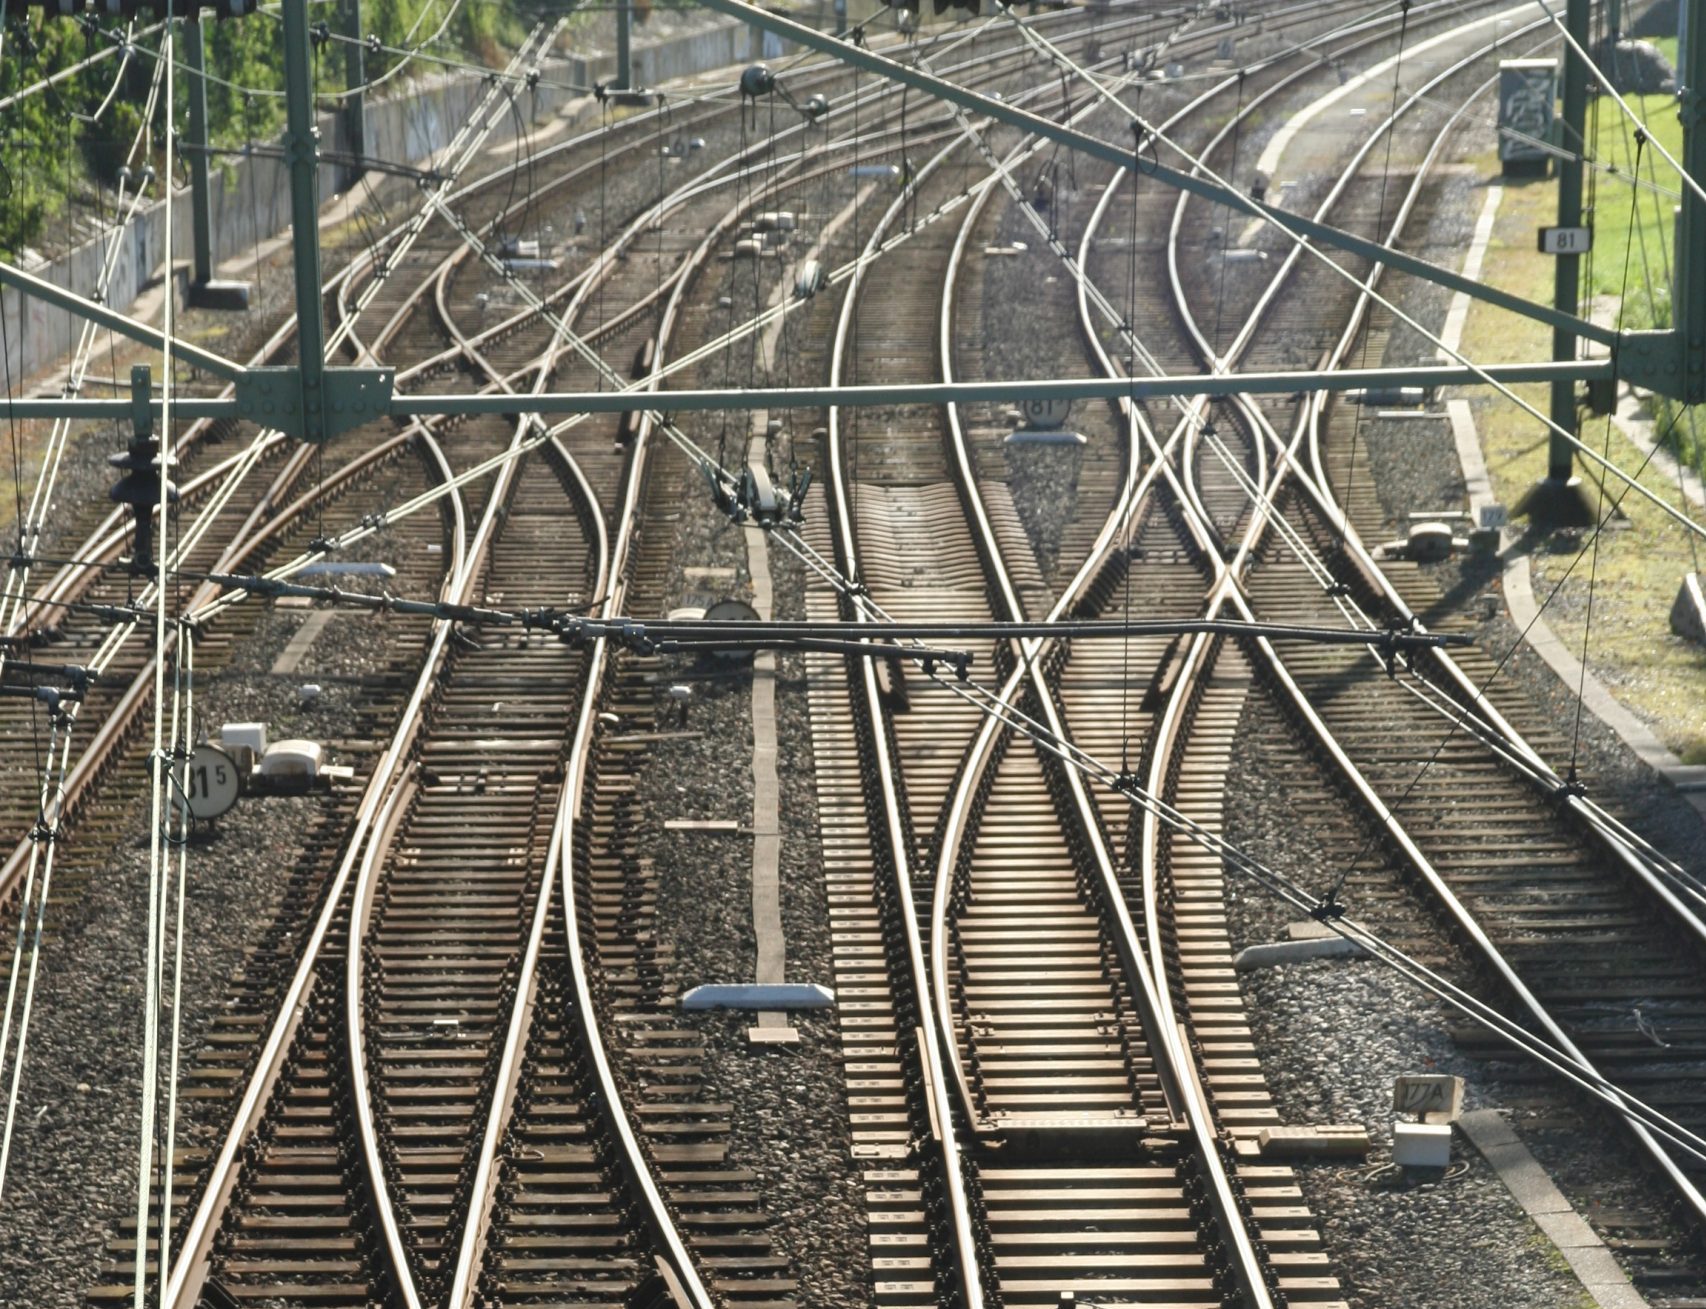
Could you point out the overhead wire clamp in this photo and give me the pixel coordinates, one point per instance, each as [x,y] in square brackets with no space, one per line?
[1328,910]
[1571,788]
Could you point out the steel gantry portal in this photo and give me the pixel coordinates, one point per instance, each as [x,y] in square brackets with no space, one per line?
[314,401]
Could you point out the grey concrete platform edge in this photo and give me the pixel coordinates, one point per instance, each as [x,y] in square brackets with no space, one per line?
[1689,780]
[773,1027]
[1550,1210]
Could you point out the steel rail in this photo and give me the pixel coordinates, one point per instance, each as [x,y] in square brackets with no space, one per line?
[675,1263]
[1125,509]
[75,579]
[190,1271]
[935,1078]
[338,285]
[1175,1061]
[345,284]
[195,1248]
[1548,782]
[606,403]
[894,838]
[1164,755]
[463,588]
[613,586]
[187,1279]
[959,815]
[483,1193]
[1229,592]
[468,581]
[681,1274]
[1299,227]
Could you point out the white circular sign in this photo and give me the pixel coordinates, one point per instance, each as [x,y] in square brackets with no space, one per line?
[1045,414]
[207,783]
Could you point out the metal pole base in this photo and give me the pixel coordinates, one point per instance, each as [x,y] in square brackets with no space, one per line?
[218,293]
[1523,169]
[1556,502]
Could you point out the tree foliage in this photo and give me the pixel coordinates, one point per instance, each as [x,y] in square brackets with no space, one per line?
[53,150]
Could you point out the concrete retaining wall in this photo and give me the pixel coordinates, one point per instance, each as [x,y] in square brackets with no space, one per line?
[251,197]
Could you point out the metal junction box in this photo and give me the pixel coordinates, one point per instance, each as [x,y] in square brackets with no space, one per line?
[1528,99]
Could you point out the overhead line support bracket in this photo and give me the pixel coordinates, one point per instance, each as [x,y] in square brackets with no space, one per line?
[1686,382]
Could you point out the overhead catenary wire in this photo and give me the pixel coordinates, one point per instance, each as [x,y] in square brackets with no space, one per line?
[52,769]
[157,759]
[163,68]
[605,374]
[157,594]
[83,65]
[1459,715]
[1593,566]
[1313,250]
[1482,1014]
[1606,84]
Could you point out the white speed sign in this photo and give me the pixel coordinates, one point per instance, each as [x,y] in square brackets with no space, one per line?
[1045,414]
[207,783]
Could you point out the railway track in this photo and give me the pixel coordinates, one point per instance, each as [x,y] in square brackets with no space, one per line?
[472,1084]
[267,1199]
[1476,864]
[1015,912]
[996,917]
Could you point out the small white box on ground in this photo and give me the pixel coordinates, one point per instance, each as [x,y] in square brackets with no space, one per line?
[1421,1145]
[245,736]
[292,762]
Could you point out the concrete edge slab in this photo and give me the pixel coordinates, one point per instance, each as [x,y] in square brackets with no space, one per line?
[1690,782]
[1525,612]
[1550,1210]
[1273,953]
